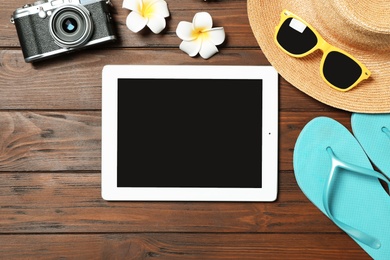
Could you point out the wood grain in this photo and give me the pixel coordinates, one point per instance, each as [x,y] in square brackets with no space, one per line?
[62,141]
[50,159]
[180,246]
[75,205]
[49,141]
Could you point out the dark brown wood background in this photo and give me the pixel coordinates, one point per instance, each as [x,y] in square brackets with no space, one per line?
[50,159]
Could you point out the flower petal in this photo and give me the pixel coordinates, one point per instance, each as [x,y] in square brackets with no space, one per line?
[161,8]
[216,35]
[207,49]
[156,23]
[203,21]
[150,2]
[135,22]
[191,47]
[184,31]
[133,5]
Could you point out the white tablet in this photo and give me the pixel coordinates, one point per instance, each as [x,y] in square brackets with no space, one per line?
[189,133]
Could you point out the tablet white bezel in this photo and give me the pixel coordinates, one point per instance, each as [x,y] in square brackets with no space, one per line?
[269,77]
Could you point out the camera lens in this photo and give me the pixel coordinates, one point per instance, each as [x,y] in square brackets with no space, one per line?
[71,26]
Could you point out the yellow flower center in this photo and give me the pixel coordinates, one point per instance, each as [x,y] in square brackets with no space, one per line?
[146,10]
[199,33]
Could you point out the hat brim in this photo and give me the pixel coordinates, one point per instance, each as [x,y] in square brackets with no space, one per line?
[370,96]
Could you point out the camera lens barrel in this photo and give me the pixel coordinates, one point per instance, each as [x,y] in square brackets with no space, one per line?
[71,26]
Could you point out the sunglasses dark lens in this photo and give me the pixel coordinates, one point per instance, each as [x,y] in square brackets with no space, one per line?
[296,40]
[340,70]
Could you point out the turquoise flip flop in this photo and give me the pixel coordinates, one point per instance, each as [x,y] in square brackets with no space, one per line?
[373,133]
[335,174]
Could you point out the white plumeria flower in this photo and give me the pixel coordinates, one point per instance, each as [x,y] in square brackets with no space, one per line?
[199,36]
[151,13]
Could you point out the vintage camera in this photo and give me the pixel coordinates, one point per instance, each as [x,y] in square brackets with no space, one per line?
[48,28]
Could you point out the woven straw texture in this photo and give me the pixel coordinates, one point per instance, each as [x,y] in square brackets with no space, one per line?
[362,28]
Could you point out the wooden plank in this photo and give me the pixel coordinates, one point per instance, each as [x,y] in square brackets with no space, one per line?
[48,85]
[62,141]
[181,246]
[50,141]
[291,125]
[232,15]
[292,99]
[71,202]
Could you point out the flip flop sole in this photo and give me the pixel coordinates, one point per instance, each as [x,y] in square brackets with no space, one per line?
[355,199]
[373,133]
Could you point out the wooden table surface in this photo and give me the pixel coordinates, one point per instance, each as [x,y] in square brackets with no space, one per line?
[50,159]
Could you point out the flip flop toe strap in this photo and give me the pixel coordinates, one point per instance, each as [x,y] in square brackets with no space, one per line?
[386,131]
[353,232]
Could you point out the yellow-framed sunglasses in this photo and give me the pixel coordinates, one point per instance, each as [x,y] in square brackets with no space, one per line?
[338,68]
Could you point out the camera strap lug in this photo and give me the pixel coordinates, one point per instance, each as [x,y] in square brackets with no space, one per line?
[12,20]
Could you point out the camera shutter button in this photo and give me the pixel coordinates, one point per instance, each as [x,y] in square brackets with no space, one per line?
[42,13]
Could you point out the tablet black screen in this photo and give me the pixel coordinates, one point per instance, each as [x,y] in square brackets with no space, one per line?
[189,133]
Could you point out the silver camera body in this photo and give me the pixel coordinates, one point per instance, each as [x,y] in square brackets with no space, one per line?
[48,28]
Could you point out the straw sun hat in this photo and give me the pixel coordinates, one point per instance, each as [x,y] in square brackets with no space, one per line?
[361,28]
